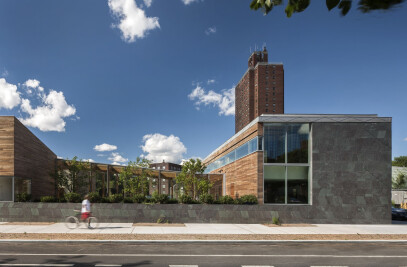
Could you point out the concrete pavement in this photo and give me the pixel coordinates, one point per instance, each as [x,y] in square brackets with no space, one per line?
[217,229]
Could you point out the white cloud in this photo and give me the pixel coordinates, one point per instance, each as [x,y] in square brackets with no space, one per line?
[88,160]
[117,163]
[116,157]
[133,22]
[405,139]
[160,147]
[9,97]
[50,114]
[185,160]
[148,2]
[32,83]
[105,147]
[211,81]
[210,30]
[187,2]
[4,73]
[225,101]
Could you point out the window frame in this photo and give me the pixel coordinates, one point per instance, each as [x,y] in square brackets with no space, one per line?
[286,165]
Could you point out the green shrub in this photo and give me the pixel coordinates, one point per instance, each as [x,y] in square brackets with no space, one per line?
[23,197]
[127,200]
[226,200]
[275,220]
[206,198]
[160,198]
[73,198]
[139,198]
[162,219]
[248,200]
[94,197]
[172,201]
[185,199]
[104,200]
[48,199]
[115,198]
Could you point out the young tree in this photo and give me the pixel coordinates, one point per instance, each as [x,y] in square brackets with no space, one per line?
[192,180]
[73,175]
[295,6]
[134,177]
[400,161]
[400,182]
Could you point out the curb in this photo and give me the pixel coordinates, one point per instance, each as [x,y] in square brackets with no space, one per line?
[198,241]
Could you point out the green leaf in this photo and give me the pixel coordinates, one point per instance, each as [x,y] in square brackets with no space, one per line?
[331,4]
[289,10]
[345,6]
[302,5]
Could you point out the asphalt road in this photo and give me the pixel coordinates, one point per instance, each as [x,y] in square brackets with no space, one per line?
[204,254]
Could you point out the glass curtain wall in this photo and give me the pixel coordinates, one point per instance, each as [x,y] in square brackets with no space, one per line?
[6,188]
[286,163]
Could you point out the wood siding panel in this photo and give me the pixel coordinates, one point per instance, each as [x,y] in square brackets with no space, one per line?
[6,146]
[33,160]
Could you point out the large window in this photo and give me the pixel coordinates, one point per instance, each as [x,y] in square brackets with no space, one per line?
[286,163]
[6,188]
[247,148]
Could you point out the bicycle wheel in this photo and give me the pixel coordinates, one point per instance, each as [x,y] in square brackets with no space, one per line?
[71,222]
[93,223]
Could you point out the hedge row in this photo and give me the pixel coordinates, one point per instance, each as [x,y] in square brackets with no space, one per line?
[155,198]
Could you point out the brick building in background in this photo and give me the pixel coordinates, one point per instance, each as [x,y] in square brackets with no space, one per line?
[260,91]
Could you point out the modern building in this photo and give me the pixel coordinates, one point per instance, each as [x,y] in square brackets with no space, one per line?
[166,166]
[260,90]
[26,164]
[313,168]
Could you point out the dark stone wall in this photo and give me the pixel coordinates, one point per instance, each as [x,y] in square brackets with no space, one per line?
[351,173]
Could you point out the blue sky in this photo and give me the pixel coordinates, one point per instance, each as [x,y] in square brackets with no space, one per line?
[81,74]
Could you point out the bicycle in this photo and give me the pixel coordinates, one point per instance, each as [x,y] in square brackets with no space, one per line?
[72,222]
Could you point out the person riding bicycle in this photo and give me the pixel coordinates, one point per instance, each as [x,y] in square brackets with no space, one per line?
[85,211]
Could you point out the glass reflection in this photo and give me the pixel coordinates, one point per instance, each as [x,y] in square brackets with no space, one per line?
[274,184]
[297,143]
[274,143]
[297,184]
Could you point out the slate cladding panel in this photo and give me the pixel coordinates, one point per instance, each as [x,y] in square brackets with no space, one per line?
[351,173]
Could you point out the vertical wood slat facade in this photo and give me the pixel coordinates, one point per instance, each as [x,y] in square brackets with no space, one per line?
[23,155]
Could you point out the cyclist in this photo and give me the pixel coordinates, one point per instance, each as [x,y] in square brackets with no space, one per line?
[85,212]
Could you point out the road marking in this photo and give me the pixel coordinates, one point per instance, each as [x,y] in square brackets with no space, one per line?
[206,255]
[183,265]
[29,264]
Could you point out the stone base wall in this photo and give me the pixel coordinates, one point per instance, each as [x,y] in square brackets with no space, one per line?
[179,213]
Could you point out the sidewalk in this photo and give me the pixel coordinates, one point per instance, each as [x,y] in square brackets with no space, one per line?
[208,229]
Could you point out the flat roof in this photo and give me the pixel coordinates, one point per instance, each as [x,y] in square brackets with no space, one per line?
[305,118]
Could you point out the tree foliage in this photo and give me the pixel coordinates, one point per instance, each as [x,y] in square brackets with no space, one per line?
[296,6]
[192,179]
[400,182]
[73,176]
[135,177]
[400,161]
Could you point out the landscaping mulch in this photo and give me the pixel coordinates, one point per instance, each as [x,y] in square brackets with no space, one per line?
[37,236]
